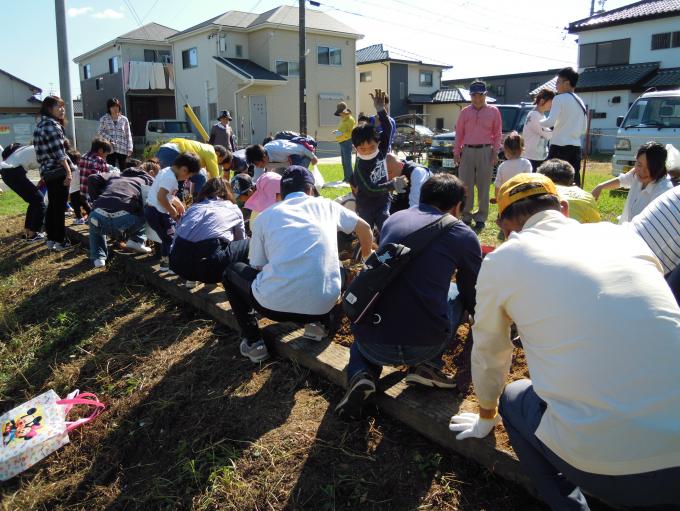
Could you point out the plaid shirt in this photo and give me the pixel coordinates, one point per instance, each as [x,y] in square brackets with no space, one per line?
[48,141]
[90,163]
[118,133]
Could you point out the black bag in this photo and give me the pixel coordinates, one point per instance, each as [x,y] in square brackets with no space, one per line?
[385,265]
[51,174]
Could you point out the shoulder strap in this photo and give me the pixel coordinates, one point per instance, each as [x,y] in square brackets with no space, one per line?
[417,241]
[580,103]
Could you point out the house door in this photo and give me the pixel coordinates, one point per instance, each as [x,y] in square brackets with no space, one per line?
[141,109]
[258,119]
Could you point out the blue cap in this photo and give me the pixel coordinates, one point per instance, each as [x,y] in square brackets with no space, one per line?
[295,179]
[477,88]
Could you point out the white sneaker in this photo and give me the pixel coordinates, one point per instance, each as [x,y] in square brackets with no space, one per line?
[256,352]
[138,247]
[58,247]
[50,244]
[190,284]
[79,221]
[315,332]
[99,263]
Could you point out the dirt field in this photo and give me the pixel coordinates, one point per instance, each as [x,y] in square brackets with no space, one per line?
[191,424]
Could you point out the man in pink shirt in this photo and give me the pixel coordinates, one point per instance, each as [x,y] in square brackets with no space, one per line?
[478,140]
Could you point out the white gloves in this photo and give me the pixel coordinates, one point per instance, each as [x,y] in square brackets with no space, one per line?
[469,425]
[400,184]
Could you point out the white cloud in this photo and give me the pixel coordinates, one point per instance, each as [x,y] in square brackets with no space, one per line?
[108,14]
[78,11]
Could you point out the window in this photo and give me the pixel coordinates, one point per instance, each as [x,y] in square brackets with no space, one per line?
[599,115]
[286,68]
[500,90]
[661,41]
[149,56]
[223,43]
[607,53]
[402,90]
[113,64]
[366,76]
[212,111]
[189,58]
[99,84]
[327,56]
[157,56]
[238,49]
[439,123]
[87,71]
[676,40]
[426,78]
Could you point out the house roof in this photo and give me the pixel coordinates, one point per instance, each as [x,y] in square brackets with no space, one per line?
[633,13]
[665,78]
[34,89]
[284,15]
[379,53]
[506,76]
[550,85]
[151,32]
[443,96]
[247,69]
[615,77]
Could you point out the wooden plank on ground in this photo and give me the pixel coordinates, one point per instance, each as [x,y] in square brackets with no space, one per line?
[427,411]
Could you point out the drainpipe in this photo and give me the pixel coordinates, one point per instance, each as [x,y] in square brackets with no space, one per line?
[236,93]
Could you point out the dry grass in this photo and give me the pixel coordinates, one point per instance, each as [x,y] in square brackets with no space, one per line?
[190,424]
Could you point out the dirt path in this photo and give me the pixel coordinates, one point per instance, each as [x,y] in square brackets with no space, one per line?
[191,424]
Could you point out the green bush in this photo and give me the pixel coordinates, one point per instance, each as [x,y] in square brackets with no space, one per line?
[151,149]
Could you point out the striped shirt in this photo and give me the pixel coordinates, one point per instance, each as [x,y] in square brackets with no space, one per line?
[117,132]
[48,142]
[659,226]
[90,163]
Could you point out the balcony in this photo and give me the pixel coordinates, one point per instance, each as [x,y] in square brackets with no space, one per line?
[139,77]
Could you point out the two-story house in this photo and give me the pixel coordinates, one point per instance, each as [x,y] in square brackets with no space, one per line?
[136,68]
[248,63]
[622,53]
[414,86]
[19,107]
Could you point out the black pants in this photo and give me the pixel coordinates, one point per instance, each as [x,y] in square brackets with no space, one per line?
[570,153]
[238,279]
[78,202]
[57,197]
[535,164]
[205,261]
[18,182]
[117,160]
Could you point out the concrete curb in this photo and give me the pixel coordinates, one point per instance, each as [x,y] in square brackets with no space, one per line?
[424,410]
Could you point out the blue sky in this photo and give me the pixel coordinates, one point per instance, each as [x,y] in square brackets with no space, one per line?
[476,37]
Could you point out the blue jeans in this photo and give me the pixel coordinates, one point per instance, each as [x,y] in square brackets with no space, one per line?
[164,226]
[300,160]
[374,210]
[560,484]
[205,261]
[371,357]
[346,158]
[101,225]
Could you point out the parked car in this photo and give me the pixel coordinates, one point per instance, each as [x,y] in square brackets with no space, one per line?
[165,129]
[440,152]
[410,136]
[653,116]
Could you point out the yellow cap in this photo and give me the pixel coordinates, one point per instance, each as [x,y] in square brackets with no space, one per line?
[522,186]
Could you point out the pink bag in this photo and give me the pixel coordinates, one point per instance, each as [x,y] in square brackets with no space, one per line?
[37,428]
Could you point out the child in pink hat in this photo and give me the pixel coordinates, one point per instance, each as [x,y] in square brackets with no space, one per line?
[268,190]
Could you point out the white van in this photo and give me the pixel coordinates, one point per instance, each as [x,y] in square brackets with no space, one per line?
[654,116]
[165,129]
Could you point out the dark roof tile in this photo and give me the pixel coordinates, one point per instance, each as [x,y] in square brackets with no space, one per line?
[612,77]
[665,78]
[647,9]
[248,68]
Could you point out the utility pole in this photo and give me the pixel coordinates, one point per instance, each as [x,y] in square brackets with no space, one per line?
[64,76]
[303,69]
[592,7]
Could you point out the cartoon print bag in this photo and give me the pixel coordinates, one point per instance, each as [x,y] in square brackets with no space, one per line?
[38,427]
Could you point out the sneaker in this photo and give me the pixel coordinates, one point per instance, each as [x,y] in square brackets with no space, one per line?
[79,221]
[360,390]
[315,332]
[479,226]
[256,351]
[165,265]
[99,263]
[136,246]
[430,377]
[38,236]
[190,284]
[50,244]
[58,247]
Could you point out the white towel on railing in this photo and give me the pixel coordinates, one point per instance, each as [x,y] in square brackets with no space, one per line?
[158,76]
[140,75]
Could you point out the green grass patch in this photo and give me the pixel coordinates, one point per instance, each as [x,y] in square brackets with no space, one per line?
[11,204]
[332,172]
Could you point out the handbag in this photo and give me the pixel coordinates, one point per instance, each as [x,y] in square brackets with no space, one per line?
[384,266]
[37,428]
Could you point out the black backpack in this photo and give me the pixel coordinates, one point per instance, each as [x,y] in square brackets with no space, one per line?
[385,265]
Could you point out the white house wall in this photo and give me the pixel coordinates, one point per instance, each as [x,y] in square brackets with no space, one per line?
[603,131]
[190,84]
[379,81]
[449,112]
[233,39]
[414,79]
[13,93]
[100,61]
[640,35]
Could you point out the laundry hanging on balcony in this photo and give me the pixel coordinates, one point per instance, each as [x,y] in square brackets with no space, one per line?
[147,75]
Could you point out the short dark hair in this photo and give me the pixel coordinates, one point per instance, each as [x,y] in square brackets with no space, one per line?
[514,143]
[101,143]
[113,102]
[656,159]
[216,188]
[48,104]
[569,74]
[220,150]
[561,172]
[188,160]
[544,95]
[530,206]
[443,191]
[363,133]
[255,153]
[9,150]
[363,118]
[266,140]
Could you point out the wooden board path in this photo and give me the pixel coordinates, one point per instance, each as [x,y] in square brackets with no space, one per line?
[427,411]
